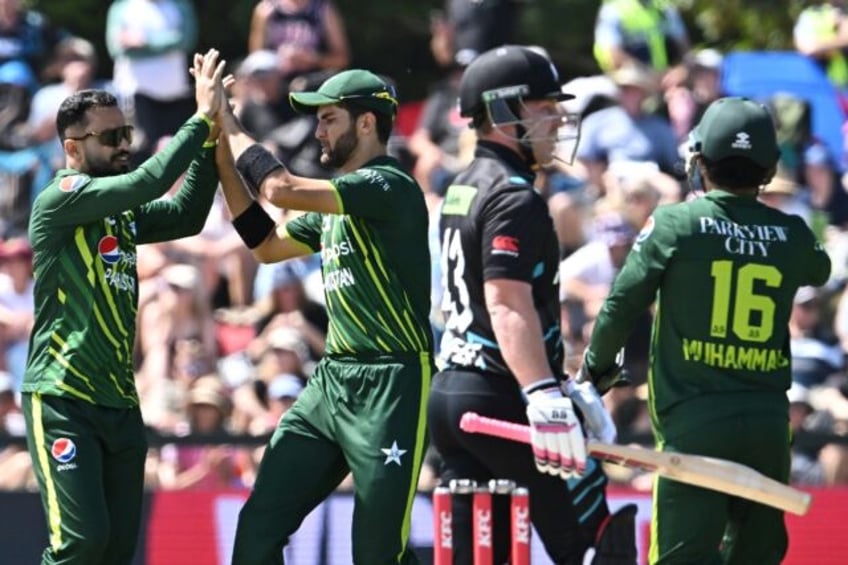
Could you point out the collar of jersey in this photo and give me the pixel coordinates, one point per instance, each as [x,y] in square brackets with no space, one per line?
[494,150]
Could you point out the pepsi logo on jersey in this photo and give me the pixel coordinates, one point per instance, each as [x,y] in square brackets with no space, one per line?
[64,450]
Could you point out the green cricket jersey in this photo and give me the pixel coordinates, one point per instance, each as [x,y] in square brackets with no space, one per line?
[375,262]
[724,270]
[84,233]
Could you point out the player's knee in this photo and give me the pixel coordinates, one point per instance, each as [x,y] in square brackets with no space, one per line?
[258,539]
[85,546]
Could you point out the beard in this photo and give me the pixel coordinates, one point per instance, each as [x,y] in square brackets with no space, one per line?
[335,157]
[109,167]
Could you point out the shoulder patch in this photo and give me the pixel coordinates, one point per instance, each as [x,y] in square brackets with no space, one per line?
[646,230]
[73,183]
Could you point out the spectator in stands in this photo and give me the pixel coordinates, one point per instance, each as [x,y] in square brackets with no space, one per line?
[264,98]
[816,354]
[26,35]
[643,32]
[308,37]
[783,193]
[821,32]
[74,64]
[442,142]
[587,274]
[150,41]
[281,393]
[265,112]
[15,463]
[179,312]
[626,132]
[687,102]
[19,164]
[16,306]
[289,306]
[286,352]
[806,469]
[201,467]
[466,28]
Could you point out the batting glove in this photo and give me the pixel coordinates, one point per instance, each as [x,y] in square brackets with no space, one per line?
[596,418]
[558,444]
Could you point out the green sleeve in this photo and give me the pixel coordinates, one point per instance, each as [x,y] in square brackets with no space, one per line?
[95,198]
[184,214]
[633,290]
[819,263]
[307,229]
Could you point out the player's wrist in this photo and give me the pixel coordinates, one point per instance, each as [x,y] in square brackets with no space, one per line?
[547,386]
[204,115]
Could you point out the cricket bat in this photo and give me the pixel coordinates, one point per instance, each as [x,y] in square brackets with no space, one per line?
[706,472]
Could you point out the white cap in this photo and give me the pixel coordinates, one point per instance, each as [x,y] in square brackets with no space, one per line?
[181,276]
[263,61]
[285,385]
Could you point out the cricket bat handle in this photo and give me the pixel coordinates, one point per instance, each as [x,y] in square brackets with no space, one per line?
[474,423]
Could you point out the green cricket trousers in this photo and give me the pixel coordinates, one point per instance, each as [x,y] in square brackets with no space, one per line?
[366,417]
[697,526]
[89,462]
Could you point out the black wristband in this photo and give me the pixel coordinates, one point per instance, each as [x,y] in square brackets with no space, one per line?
[255,164]
[254,225]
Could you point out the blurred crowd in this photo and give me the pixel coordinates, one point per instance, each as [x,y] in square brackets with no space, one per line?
[226,345]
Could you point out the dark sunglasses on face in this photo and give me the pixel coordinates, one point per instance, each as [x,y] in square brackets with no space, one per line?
[109,137]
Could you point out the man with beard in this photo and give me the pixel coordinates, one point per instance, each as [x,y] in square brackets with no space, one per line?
[84,426]
[363,409]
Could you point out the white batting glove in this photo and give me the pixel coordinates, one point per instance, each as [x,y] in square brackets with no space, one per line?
[596,417]
[558,444]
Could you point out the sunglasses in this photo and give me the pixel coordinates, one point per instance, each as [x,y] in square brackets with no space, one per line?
[109,137]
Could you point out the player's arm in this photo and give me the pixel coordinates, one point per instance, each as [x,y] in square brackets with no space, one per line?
[268,241]
[185,214]
[266,175]
[88,199]
[819,263]
[633,291]
[517,329]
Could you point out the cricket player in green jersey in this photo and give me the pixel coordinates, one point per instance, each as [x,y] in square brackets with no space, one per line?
[723,270]
[84,426]
[363,409]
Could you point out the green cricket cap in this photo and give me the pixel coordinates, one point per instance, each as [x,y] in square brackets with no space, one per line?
[355,85]
[737,127]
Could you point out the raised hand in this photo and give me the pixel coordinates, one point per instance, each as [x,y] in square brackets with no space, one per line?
[207,72]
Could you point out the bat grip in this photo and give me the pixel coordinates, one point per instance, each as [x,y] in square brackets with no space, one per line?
[473,423]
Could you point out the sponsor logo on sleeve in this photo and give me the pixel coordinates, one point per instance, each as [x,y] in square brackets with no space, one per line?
[645,233]
[505,245]
[73,183]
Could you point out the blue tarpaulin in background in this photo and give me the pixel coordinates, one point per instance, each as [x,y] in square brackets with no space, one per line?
[762,74]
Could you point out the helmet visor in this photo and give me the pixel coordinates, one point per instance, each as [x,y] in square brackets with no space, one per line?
[506,106]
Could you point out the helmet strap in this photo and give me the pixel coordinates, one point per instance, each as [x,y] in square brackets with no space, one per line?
[525,147]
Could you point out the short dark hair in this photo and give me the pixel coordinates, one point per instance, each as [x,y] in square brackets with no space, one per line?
[736,173]
[385,122]
[73,110]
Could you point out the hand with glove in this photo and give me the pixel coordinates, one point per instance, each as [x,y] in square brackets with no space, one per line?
[596,418]
[558,444]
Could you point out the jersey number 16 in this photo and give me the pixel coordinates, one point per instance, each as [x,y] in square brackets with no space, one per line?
[753,314]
